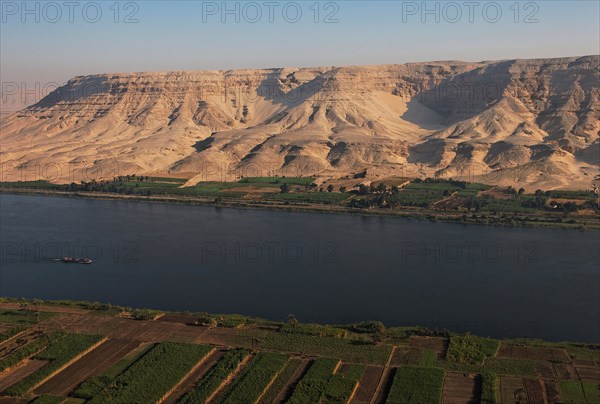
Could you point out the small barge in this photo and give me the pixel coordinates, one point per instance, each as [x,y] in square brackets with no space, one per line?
[70,260]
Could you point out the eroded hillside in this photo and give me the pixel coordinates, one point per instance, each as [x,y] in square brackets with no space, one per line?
[534,123]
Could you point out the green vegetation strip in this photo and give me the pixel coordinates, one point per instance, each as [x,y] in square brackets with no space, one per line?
[62,348]
[154,374]
[416,385]
[23,317]
[11,332]
[471,349]
[488,388]
[349,350]
[315,381]
[94,385]
[48,399]
[428,358]
[260,372]
[314,329]
[215,377]
[24,352]
[281,381]
[341,386]
[580,392]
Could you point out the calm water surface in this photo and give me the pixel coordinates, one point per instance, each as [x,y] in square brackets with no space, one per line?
[501,282]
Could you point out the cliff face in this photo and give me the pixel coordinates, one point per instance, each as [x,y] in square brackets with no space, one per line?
[524,122]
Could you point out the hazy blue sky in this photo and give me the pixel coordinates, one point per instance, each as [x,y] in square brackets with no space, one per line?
[178,35]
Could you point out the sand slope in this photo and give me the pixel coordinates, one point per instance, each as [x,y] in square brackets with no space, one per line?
[532,123]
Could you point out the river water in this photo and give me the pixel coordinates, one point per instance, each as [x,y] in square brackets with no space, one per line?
[493,281]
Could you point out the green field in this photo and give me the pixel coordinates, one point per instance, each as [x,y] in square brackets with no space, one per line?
[488,388]
[60,349]
[25,352]
[341,385]
[428,358]
[416,385]
[258,374]
[334,359]
[580,392]
[215,377]
[314,383]
[11,332]
[153,374]
[23,316]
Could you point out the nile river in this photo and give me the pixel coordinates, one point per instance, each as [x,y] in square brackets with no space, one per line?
[494,281]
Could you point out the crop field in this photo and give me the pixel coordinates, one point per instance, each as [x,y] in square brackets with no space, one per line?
[257,377]
[413,384]
[155,373]
[312,386]
[428,358]
[22,317]
[580,392]
[92,364]
[251,360]
[192,379]
[280,384]
[10,349]
[215,377]
[60,348]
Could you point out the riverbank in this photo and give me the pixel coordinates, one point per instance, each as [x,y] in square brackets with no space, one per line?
[100,351]
[552,221]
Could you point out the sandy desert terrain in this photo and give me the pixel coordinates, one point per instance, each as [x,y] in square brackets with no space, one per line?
[533,123]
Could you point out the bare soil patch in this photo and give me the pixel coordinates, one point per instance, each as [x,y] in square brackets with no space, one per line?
[406,356]
[533,353]
[552,391]
[535,390]
[512,389]
[565,371]
[368,384]
[438,344]
[461,388]
[388,380]
[588,373]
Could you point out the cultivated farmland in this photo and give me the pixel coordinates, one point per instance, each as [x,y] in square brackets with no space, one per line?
[97,356]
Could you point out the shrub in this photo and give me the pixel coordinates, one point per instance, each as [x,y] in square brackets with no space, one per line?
[471,349]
